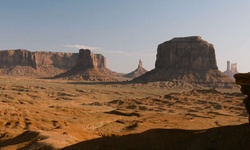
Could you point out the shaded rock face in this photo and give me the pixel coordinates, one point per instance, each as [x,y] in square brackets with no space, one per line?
[89,67]
[137,72]
[187,59]
[47,64]
[243,79]
[188,53]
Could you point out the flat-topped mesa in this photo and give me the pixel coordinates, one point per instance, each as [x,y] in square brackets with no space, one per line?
[189,38]
[19,57]
[243,79]
[187,52]
[188,60]
[22,62]
[60,60]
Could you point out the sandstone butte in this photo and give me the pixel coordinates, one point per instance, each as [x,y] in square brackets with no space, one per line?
[231,69]
[89,67]
[137,72]
[189,60]
[243,79]
[23,63]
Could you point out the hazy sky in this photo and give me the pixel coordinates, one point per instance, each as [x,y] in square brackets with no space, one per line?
[127,30]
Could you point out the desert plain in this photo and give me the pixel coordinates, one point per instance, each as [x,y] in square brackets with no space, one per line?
[64,114]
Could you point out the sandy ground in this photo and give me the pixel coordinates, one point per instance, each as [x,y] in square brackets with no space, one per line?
[56,114]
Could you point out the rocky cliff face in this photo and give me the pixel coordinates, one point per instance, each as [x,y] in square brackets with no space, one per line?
[186,53]
[187,59]
[56,59]
[20,57]
[137,72]
[243,79]
[89,67]
[47,64]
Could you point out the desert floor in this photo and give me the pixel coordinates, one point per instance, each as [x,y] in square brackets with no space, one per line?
[56,114]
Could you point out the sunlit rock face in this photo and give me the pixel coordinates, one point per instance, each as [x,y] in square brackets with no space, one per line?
[19,57]
[21,62]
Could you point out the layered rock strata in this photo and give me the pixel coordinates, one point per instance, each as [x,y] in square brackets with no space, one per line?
[137,72]
[89,67]
[24,63]
[186,59]
[243,79]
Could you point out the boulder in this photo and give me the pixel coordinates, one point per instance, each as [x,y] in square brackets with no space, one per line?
[187,59]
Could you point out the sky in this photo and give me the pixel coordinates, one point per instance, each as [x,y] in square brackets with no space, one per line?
[125,31]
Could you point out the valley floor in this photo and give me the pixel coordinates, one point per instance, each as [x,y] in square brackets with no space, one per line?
[59,114]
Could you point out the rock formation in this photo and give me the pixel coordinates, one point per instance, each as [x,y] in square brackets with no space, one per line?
[24,63]
[17,57]
[186,59]
[138,72]
[89,67]
[243,79]
[231,71]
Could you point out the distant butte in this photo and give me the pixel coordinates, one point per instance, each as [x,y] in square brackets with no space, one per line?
[231,69]
[89,67]
[186,60]
[24,63]
[137,72]
[79,66]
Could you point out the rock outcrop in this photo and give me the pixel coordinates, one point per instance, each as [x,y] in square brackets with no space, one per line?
[89,67]
[18,57]
[231,70]
[243,79]
[24,63]
[186,59]
[137,72]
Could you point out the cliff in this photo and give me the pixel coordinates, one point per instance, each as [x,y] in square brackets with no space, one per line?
[186,53]
[20,57]
[89,67]
[43,64]
[243,79]
[186,59]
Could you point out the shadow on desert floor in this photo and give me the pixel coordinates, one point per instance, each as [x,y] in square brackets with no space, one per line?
[226,137]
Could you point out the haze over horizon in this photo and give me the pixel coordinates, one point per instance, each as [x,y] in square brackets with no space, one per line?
[126,31]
